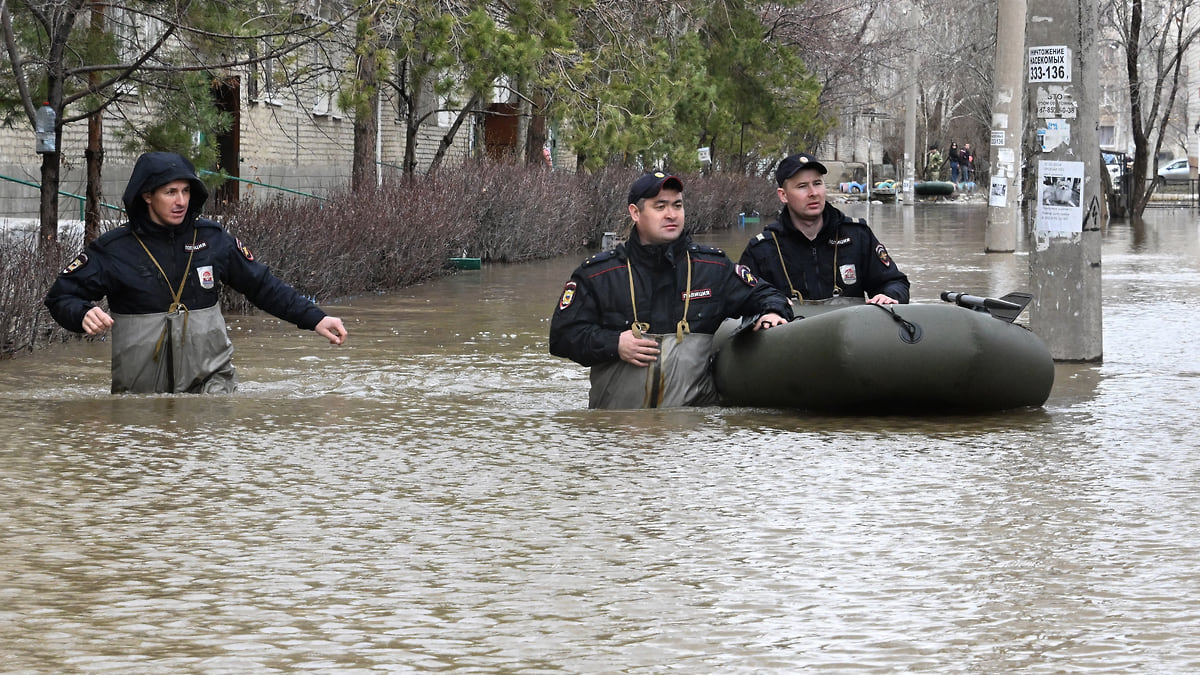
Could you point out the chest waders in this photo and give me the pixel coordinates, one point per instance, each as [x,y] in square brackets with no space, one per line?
[176,351]
[679,377]
[795,294]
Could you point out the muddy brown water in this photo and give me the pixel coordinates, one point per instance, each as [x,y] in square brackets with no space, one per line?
[434,497]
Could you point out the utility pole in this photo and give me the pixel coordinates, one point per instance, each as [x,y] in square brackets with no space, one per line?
[1063,175]
[1008,122]
[910,112]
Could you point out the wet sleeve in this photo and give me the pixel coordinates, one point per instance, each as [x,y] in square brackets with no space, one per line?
[265,290]
[576,331]
[75,292]
[756,296]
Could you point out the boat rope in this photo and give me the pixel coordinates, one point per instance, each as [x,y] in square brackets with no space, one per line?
[910,332]
[176,305]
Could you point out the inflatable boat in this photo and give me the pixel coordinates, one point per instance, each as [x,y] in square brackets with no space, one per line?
[963,356]
[933,188]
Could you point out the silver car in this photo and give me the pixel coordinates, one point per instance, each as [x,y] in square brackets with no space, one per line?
[1177,171]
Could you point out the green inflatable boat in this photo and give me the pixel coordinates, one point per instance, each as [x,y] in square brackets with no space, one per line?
[846,357]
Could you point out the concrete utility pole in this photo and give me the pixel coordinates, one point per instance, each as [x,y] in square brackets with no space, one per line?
[910,112]
[1008,122]
[1063,111]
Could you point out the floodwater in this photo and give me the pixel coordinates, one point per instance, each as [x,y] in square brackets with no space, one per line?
[435,497]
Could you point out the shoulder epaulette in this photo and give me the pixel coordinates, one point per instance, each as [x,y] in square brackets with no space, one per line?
[205,222]
[702,248]
[855,221]
[600,257]
[758,239]
[113,234]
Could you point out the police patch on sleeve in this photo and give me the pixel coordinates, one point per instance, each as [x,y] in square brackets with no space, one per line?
[244,249]
[883,255]
[568,295]
[79,261]
[746,275]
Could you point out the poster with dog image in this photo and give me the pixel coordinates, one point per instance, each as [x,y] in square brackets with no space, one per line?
[1060,196]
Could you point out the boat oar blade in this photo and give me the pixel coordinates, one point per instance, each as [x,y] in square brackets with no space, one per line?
[1006,308]
[1014,304]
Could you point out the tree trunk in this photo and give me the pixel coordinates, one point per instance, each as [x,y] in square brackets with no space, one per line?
[48,211]
[448,138]
[94,155]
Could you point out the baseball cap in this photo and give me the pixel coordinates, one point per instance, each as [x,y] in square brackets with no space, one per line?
[793,164]
[651,184]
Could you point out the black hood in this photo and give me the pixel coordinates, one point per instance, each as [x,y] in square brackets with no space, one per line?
[155,169]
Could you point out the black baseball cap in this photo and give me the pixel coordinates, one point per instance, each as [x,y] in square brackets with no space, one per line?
[793,164]
[651,184]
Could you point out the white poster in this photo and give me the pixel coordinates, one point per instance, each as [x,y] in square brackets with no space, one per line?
[998,196]
[1056,100]
[1060,196]
[997,137]
[1050,64]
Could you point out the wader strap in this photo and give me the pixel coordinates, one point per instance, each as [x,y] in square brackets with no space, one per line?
[837,235]
[639,328]
[682,327]
[176,306]
[782,264]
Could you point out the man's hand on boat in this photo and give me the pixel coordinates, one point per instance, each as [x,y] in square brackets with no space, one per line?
[769,321]
[882,299]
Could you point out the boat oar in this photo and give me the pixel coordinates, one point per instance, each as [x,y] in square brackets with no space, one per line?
[1006,308]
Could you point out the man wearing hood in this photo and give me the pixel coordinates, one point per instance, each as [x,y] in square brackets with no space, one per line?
[643,314]
[162,272]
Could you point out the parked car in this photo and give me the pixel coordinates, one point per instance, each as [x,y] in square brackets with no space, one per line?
[1177,171]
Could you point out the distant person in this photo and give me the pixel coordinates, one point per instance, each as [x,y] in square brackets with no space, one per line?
[642,315]
[815,252]
[966,162]
[162,273]
[933,163]
[954,156]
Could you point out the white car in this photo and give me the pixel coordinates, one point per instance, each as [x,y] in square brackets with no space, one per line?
[1177,171]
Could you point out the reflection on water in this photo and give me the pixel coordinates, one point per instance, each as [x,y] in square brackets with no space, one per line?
[434,496]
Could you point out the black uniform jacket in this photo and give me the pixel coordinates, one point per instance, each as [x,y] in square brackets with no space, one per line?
[595,306]
[116,265]
[845,253]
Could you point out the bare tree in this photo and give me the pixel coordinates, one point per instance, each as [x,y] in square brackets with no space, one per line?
[81,61]
[1154,37]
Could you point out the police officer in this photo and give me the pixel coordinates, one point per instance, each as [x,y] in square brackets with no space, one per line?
[642,315]
[814,251]
[162,272]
